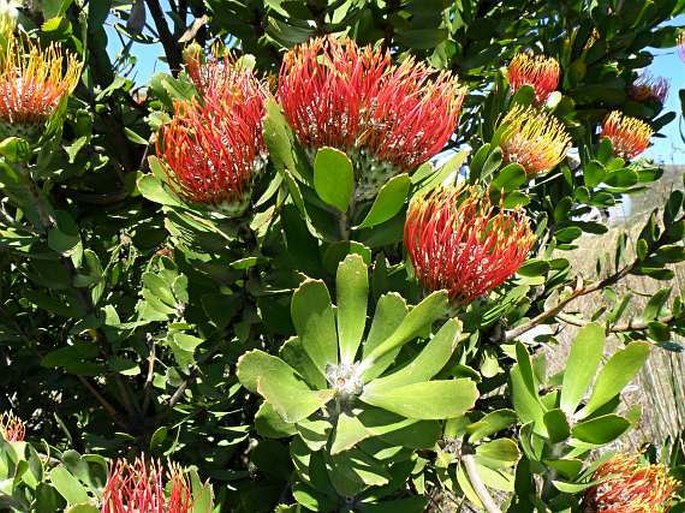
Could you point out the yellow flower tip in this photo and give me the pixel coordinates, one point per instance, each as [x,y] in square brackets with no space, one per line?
[538,71]
[533,138]
[34,80]
[629,136]
[12,428]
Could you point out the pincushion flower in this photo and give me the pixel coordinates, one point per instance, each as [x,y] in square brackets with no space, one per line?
[538,71]
[388,118]
[629,486]
[456,240]
[533,138]
[140,487]
[12,428]
[648,88]
[629,136]
[32,83]
[213,150]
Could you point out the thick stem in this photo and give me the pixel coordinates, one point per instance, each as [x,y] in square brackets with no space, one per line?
[489,503]
[172,49]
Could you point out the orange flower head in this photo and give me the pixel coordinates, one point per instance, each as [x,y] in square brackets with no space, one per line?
[648,88]
[456,240]
[629,136]
[629,486]
[390,118]
[538,71]
[140,486]
[533,138]
[214,149]
[32,83]
[12,428]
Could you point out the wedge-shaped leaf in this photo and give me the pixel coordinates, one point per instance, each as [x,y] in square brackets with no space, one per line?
[269,423]
[427,400]
[349,431]
[397,430]
[294,355]
[414,504]
[352,283]
[334,178]
[526,403]
[68,486]
[600,430]
[490,424]
[314,433]
[389,201]
[567,468]
[279,384]
[428,363]
[314,320]
[391,310]
[616,374]
[500,453]
[421,316]
[557,425]
[352,471]
[584,359]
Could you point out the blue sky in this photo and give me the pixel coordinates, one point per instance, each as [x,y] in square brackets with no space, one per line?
[667,63]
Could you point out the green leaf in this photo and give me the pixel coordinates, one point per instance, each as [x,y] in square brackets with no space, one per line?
[68,486]
[616,374]
[389,201]
[500,453]
[585,356]
[432,358]
[600,430]
[557,426]
[421,316]
[391,310]
[152,189]
[526,402]
[492,423]
[280,385]
[349,431]
[593,173]
[314,320]
[510,178]
[82,508]
[427,400]
[352,284]
[270,424]
[64,238]
[294,355]
[334,178]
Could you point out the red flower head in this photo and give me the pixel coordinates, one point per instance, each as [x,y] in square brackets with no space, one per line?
[140,487]
[457,241]
[12,428]
[534,139]
[538,71]
[32,83]
[629,486]
[629,136]
[391,118]
[213,150]
[648,88]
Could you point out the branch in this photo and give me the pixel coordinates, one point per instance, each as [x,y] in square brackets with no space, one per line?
[579,292]
[619,328]
[172,49]
[470,466]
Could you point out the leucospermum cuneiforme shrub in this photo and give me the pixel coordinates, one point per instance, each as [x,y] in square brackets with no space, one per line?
[389,118]
[538,71]
[33,81]
[141,486]
[628,486]
[213,149]
[533,138]
[12,428]
[629,136]
[456,240]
